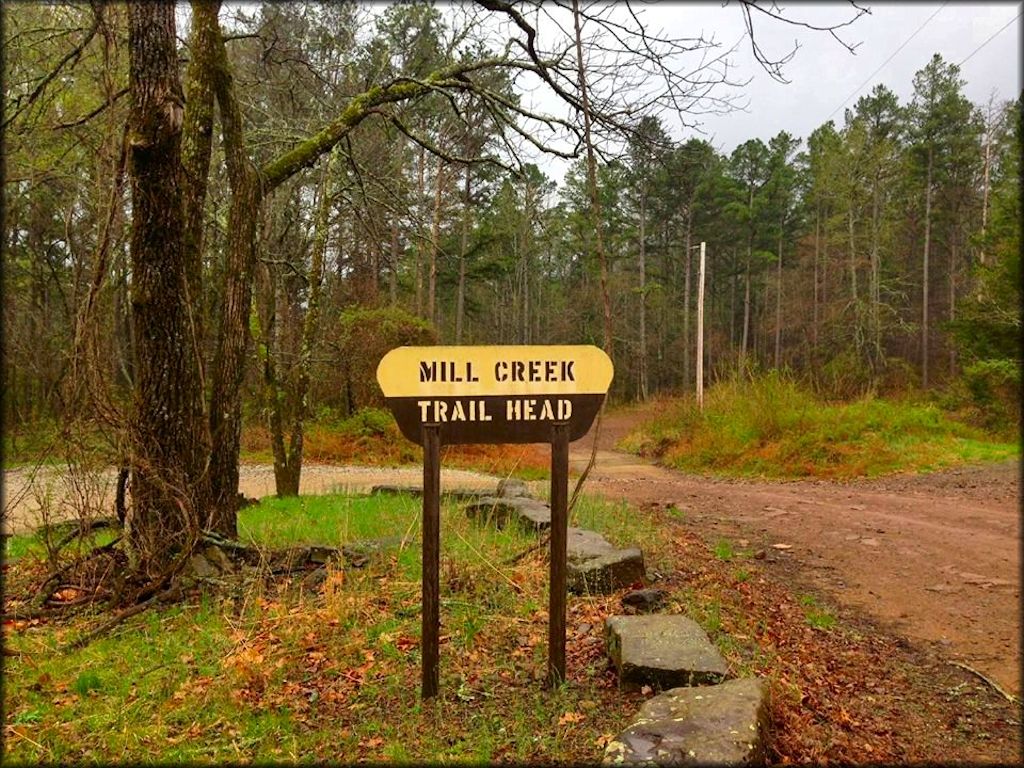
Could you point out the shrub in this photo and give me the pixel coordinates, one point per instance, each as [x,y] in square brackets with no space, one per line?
[995,389]
[362,338]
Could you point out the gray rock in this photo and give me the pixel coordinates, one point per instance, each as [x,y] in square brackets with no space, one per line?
[582,545]
[606,573]
[200,567]
[218,559]
[511,487]
[644,600]
[358,553]
[315,579]
[662,651]
[708,725]
[462,494]
[411,490]
[529,513]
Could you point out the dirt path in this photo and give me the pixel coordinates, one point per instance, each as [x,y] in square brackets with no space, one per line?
[27,491]
[935,558]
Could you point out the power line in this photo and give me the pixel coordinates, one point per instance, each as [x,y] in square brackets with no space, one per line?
[902,46]
[990,39]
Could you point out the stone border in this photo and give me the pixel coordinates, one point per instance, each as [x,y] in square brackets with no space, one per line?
[699,717]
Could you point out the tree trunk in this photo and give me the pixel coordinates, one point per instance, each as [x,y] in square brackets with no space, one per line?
[643,296]
[853,256]
[393,273]
[460,297]
[817,259]
[746,314]
[732,302]
[595,200]
[422,190]
[778,305]
[874,289]
[687,266]
[435,243]
[197,141]
[925,265]
[986,174]
[166,428]
[953,252]
[233,337]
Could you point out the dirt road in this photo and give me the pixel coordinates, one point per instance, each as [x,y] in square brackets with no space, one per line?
[935,558]
[28,492]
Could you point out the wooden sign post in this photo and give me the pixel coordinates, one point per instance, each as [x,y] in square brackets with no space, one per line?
[514,394]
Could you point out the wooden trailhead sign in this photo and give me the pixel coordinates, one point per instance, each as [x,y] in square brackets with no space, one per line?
[502,394]
[508,394]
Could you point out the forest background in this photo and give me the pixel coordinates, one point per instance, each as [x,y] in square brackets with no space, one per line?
[880,254]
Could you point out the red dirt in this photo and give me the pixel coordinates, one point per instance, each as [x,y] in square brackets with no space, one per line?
[929,562]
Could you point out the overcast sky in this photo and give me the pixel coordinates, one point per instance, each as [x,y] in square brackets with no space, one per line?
[823,74]
[824,77]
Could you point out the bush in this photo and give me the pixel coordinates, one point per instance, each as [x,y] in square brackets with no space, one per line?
[771,426]
[995,390]
[370,422]
[362,338]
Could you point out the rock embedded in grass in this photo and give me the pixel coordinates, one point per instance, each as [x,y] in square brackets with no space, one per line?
[461,494]
[596,566]
[644,600]
[606,573]
[708,725]
[532,515]
[662,651]
[512,487]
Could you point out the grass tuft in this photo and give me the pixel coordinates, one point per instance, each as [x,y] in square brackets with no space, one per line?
[773,427]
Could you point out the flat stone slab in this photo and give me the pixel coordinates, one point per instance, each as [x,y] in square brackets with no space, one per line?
[708,725]
[531,514]
[606,573]
[582,544]
[663,651]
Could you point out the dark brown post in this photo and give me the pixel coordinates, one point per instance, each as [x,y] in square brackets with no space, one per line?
[431,558]
[559,535]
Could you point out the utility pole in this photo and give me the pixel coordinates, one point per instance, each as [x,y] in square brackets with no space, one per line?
[700,331]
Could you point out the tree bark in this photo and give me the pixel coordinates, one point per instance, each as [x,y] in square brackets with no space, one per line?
[953,253]
[460,298]
[595,201]
[817,259]
[746,313]
[435,245]
[778,304]
[643,295]
[874,289]
[925,265]
[166,427]
[233,337]
[422,192]
[687,262]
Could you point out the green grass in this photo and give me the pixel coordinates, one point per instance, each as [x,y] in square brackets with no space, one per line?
[328,520]
[723,549]
[22,545]
[773,427]
[268,672]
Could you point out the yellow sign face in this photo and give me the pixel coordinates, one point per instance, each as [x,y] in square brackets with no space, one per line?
[494,394]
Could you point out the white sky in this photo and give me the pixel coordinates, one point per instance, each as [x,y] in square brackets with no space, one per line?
[823,74]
